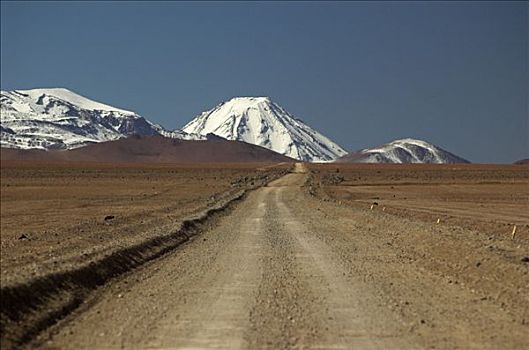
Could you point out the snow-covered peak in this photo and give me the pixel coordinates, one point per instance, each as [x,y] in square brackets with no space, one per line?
[406,150]
[69,97]
[410,141]
[260,121]
[248,100]
[403,143]
[60,118]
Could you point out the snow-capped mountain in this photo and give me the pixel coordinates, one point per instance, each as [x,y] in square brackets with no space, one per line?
[61,119]
[403,151]
[259,121]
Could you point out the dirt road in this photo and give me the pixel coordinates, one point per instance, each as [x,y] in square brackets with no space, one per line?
[286,270]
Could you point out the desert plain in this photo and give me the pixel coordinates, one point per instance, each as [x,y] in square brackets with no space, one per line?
[268,255]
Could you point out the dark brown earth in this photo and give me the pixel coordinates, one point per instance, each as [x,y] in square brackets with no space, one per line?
[305,263]
[154,149]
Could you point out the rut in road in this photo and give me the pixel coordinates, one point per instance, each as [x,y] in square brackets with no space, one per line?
[279,273]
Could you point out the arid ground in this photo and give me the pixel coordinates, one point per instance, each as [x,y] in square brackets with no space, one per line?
[261,256]
[55,213]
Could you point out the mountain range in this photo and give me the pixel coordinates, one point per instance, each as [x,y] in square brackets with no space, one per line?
[59,119]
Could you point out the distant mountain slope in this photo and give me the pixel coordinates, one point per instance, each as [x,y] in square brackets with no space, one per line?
[154,149]
[403,151]
[61,119]
[259,121]
[522,161]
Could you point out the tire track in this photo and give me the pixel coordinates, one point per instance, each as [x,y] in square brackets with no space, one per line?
[284,315]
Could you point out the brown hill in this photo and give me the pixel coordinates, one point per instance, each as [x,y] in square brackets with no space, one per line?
[522,161]
[154,149]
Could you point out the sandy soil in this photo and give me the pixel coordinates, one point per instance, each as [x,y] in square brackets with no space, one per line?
[286,269]
[292,266]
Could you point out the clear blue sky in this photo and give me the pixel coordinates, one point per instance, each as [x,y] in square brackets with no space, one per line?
[455,74]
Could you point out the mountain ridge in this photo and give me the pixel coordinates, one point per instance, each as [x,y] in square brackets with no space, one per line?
[58,118]
[401,151]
